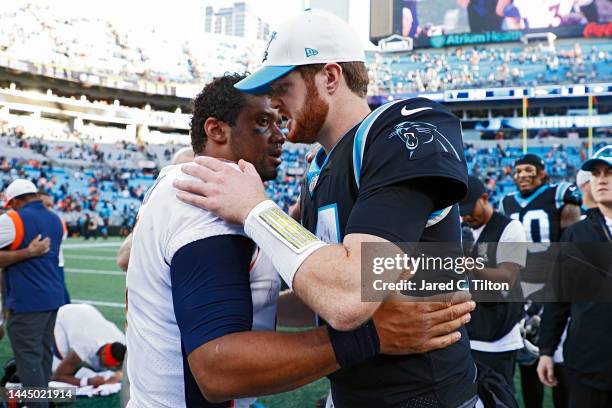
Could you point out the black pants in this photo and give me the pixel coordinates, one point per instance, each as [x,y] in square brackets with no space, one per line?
[581,395]
[31,336]
[533,389]
[502,363]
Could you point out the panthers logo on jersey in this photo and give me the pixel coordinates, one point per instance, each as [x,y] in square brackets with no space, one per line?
[421,138]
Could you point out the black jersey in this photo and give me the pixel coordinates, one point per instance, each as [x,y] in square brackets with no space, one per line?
[540,214]
[354,189]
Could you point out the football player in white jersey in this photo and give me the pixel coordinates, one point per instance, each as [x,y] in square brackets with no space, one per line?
[197,286]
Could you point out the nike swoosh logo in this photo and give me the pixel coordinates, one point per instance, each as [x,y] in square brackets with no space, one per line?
[408,112]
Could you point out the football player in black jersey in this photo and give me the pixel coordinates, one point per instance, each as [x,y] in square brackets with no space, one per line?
[545,210]
[392,175]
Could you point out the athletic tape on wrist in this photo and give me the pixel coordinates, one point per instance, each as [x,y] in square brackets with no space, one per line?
[355,346]
[84,382]
[282,238]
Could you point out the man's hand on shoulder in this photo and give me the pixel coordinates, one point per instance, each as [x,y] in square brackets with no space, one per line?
[219,188]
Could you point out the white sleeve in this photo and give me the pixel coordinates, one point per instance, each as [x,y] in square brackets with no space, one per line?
[512,244]
[200,226]
[7,231]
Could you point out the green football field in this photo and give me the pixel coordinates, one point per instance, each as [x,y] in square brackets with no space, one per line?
[92,276]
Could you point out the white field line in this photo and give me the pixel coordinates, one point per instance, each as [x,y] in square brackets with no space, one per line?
[100,303]
[103,250]
[92,257]
[94,271]
[93,245]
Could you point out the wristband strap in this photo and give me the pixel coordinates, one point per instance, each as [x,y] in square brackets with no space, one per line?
[355,346]
[84,382]
[284,239]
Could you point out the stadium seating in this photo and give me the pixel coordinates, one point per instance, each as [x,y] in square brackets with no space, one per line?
[570,61]
[104,179]
[45,41]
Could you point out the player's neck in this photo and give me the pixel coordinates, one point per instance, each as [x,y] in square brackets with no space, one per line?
[588,202]
[527,193]
[219,153]
[347,111]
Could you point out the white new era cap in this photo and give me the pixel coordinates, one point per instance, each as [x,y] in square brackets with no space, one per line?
[311,37]
[19,187]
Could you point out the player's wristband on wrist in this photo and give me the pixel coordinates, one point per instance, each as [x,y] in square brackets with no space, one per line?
[84,382]
[279,235]
[355,346]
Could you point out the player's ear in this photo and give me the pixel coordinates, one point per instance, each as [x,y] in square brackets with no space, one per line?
[216,130]
[333,77]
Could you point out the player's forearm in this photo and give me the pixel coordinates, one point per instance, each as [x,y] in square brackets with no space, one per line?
[123,255]
[69,379]
[8,258]
[260,363]
[570,214]
[326,277]
[329,282]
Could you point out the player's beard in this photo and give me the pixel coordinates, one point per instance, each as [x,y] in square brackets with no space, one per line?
[309,121]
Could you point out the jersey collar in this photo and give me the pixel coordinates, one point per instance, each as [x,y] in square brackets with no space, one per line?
[524,202]
[320,161]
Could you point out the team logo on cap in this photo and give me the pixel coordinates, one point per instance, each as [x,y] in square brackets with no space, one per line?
[310,52]
[272,38]
[422,139]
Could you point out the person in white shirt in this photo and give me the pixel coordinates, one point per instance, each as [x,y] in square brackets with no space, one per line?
[494,329]
[84,336]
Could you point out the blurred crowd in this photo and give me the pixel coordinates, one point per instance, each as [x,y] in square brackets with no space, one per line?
[95,50]
[476,67]
[75,46]
[99,194]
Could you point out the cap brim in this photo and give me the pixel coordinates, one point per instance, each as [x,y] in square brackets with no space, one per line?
[466,208]
[589,164]
[259,82]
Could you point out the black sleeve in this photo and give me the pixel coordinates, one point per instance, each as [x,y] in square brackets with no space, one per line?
[397,213]
[413,139]
[555,315]
[554,319]
[211,291]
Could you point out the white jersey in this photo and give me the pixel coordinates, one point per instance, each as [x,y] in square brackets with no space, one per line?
[165,224]
[83,329]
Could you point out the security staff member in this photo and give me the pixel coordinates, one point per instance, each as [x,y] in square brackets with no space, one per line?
[587,248]
[34,287]
[494,330]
